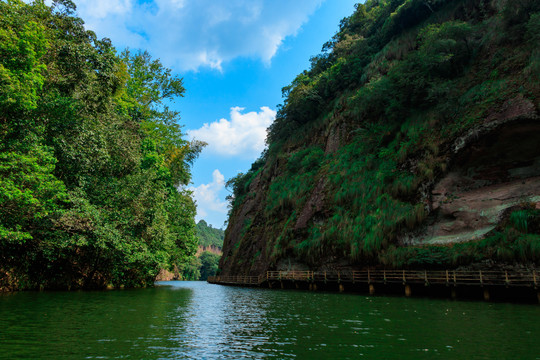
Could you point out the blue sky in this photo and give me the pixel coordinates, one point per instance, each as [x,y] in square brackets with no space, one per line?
[234,57]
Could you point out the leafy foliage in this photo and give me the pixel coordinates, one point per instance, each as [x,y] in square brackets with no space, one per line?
[209,236]
[92,161]
[239,184]
[191,270]
[209,264]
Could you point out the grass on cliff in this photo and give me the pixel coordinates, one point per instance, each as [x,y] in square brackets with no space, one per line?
[516,239]
[398,81]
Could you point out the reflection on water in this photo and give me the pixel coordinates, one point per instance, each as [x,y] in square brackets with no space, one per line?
[195,320]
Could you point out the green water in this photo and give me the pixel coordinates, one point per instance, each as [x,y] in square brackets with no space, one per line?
[195,320]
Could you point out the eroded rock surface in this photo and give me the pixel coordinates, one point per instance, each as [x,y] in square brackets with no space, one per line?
[499,170]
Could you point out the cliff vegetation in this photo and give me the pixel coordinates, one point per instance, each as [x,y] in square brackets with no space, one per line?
[412,141]
[209,236]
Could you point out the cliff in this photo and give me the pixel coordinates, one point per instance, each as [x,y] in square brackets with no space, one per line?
[210,248]
[412,141]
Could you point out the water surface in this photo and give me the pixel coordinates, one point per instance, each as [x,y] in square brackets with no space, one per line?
[196,320]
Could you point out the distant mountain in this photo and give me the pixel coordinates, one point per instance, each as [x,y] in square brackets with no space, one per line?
[205,261]
[209,236]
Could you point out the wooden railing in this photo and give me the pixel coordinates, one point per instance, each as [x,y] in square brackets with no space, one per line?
[426,277]
[235,280]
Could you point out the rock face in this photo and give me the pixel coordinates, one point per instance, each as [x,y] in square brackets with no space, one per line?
[235,231]
[211,248]
[497,169]
[424,146]
[491,168]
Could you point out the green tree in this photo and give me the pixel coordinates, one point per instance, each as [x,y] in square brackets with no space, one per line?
[209,264]
[209,236]
[191,271]
[93,162]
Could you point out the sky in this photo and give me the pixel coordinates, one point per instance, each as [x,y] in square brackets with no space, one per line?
[234,57]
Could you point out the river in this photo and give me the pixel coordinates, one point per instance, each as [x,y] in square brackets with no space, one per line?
[196,320]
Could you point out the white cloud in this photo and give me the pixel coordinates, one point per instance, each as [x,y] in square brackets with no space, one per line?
[178,4]
[188,34]
[207,196]
[243,134]
[100,9]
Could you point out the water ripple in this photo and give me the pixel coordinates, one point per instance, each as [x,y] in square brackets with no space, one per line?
[195,320]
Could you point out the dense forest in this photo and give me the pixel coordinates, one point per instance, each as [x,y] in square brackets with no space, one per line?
[209,236]
[200,267]
[412,141]
[92,161]
[205,263]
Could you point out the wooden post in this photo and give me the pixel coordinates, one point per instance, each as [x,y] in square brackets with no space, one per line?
[368,277]
[447,282]
[534,279]
[482,282]
[426,283]
[408,291]
[506,277]
[384,275]
[486,294]
[341,288]
[455,279]
[371,289]
[404,281]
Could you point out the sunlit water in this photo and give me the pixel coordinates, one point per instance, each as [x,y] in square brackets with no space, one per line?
[195,320]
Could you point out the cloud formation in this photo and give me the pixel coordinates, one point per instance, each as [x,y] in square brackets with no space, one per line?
[102,8]
[188,34]
[207,196]
[243,134]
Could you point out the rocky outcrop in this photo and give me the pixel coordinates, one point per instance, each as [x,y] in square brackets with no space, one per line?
[494,167]
[424,146]
[211,248]
[314,205]
[491,168]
